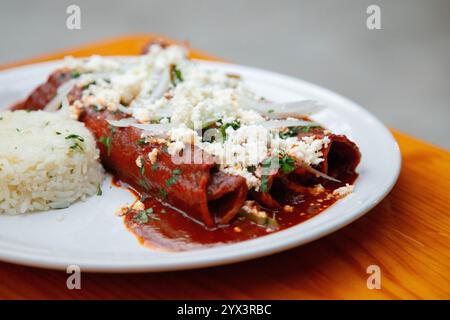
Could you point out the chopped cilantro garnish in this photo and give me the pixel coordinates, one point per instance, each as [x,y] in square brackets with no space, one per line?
[266,165]
[162,192]
[107,140]
[141,217]
[75,136]
[142,141]
[287,164]
[178,74]
[294,131]
[99,190]
[175,75]
[75,74]
[234,124]
[155,166]
[173,179]
[264,182]
[144,184]
[75,146]
[142,167]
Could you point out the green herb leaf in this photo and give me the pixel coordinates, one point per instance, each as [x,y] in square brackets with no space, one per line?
[142,168]
[99,190]
[155,166]
[234,124]
[266,164]
[173,179]
[287,164]
[76,146]
[294,131]
[76,74]
[178,74]
[264,182]
[141,142]
[162,192]
[107,140]
[75,136]
[141,217]
[144,184]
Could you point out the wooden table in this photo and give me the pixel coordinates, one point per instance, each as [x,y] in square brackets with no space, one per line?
[407,235]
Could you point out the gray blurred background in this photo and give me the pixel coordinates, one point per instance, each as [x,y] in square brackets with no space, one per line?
[401,73]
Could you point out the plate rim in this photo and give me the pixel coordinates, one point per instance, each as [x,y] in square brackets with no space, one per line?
[208,260]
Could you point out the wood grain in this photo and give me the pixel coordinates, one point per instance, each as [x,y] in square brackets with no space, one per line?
[407,235]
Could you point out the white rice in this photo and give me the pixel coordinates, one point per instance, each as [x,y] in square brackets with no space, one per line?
[41,165]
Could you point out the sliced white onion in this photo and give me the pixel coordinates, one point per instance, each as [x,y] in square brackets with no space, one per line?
[319,173]
[64,107]
[274,124]
[287,109]
[62,92]
[65,88]
[122,123]
[154,127]
[124,109]
[161,87]
[151,127]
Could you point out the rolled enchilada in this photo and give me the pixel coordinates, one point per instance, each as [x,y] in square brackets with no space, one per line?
[122,104]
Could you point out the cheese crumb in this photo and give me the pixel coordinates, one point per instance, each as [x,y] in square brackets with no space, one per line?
[318,189]
[251,207]
[138,206]
[152,155]
[343,191]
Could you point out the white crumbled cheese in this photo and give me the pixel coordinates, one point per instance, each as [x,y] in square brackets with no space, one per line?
[139,162]
[123,210]
[152,155]
[138,205]
[175,147]
[308,150]
[251,207]
[74,112]
[179,137]
[245,147]
[343,191]
[318,189]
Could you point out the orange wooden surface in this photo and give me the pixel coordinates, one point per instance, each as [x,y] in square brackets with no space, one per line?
[407,235]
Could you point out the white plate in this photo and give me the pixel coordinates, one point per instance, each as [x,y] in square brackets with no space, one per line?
[89,235]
